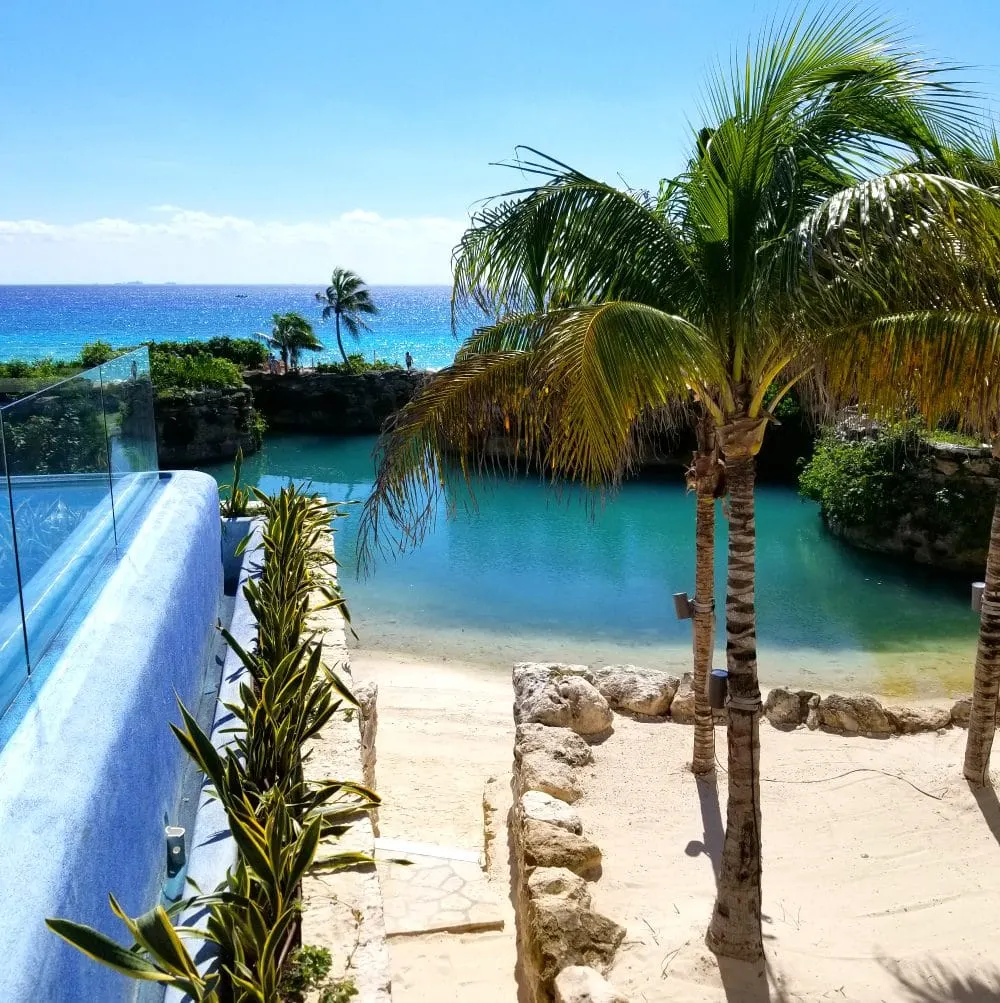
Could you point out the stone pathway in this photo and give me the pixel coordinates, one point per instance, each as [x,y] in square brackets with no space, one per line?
[436,890]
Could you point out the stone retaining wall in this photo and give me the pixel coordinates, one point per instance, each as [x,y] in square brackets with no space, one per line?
[563,943]
[332,403]
[195,427]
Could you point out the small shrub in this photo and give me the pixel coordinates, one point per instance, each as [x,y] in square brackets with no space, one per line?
[257,428]
[307,969]
[191,372]
[356,363]
[340,992]
[247,353]
[95,353]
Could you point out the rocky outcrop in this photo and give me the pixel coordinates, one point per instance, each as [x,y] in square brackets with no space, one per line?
[854,715]
[557,927]
[195,427]
[561,696]
[332,403]
[579,984]
[647,692]
[788,708]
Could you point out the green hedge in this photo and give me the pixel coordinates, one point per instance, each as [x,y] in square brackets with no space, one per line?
[356,364]
[192,372]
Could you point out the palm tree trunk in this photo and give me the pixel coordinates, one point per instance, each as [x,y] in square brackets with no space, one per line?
[340,344]
[703,619]
[735,930]
[986,686]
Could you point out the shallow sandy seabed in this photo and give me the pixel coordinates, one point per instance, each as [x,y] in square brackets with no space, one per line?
[881,873]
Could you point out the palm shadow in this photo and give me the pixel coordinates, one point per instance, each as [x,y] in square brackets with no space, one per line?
[713,831]
[986,798]
[935,981]
[750,982]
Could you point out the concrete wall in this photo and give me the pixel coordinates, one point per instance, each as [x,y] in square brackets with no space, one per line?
[92,768]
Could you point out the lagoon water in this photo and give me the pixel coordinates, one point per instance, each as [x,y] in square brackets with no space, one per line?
[56,321]
[527,575]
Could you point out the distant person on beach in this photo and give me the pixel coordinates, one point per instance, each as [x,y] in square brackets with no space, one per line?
[272,364]
[409,361]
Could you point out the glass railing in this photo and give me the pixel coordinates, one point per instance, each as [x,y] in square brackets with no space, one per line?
[79,464]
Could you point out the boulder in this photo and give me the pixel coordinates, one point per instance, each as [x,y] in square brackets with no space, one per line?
[561,933]
[544,807]
[853,715]
[812,715]
[548,845]
[682,705]
[637,690]
[540,772]
[581,984]
[558,881]
[787,708]
[910,720]
[560,698]
[961,711]
[560,743]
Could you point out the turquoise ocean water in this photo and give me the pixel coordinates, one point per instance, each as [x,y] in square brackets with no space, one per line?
[39,321]
[527,575]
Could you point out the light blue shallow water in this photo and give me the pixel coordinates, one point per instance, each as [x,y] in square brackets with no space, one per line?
[527,576]
[40,321]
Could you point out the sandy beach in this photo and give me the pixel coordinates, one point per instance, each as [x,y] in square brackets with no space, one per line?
[879,862]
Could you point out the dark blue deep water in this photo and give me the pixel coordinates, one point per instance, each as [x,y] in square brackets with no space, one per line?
[40,321]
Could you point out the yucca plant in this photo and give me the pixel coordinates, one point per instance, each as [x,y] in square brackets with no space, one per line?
[236,502]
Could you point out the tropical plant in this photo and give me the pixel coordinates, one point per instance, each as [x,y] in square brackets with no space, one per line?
[236,500]
[613,304]
[191,372]
[94,353]
[347,299]
[291,334]
[276,815]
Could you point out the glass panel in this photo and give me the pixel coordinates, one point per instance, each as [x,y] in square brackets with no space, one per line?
[56,446]
[128,409]
[13,662]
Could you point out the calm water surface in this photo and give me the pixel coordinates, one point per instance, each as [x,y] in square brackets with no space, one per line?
[527,575]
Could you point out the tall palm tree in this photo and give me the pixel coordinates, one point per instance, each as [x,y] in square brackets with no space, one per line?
[347,299]
[291,334]
[611,304]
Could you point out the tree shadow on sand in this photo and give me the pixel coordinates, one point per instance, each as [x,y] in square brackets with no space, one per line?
[713,831]
[986,798]
[933,981]
[745,982]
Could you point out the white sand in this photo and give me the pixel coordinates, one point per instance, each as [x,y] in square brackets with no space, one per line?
[873,891]
[443,730]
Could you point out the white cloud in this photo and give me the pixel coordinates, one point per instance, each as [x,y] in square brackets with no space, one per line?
[185,245]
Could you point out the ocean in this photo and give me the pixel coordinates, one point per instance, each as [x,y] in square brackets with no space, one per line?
[56,321]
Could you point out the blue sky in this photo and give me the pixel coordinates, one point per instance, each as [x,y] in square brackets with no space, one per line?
[265,141]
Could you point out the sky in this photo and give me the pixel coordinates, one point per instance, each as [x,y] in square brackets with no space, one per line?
[254,141]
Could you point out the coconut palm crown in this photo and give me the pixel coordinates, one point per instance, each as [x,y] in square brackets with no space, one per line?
[611,304]
[348,301]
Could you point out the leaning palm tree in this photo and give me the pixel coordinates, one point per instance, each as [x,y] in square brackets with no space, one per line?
[347,299]
[291,334]
[613,304]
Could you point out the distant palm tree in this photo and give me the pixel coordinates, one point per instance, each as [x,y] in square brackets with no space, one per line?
[347,299]
[291,334]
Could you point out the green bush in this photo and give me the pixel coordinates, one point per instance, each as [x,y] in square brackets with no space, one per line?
[191,372]
[247,353]
[94,353]
[357,364]
[19,369]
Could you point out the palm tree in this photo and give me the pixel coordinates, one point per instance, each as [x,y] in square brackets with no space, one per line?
[292,334]
[347,299]
[612,304]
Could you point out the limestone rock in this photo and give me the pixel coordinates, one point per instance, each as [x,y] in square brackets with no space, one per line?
[544,807]
[858,714]
[580,984]
[561,744]
[559,698]
[562,933]
[558,881]
[548,845]
[787,708]
[961,711]
[540,772]
[812,714]
[637,690]
[910,720]
[682,705]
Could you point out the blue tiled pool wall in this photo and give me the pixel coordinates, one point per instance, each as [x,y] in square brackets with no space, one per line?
[79,464]
[92,769]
